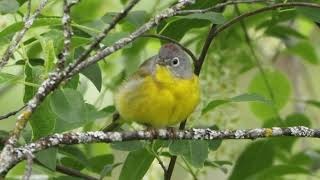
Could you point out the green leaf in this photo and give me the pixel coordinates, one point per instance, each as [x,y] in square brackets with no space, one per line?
[43,120]
[213,17]
[48,158]
[97,163]
[8,6]
[74,153]
[133,21]
[72,163]
[69,106]
[136,165]
[113,37]
[93,73]
[107,169]
[109,109]
[194,152]
[33,74]
[313,103]
[3,136]
[6,77]
[281,90]
[250,98]
[312,13]
[49,54]
[240,98]
[213,104]
[81,14]
[306,51]
[283,32]
[218,164]
[255,158]
[278,171]
[13,28]
[127,145]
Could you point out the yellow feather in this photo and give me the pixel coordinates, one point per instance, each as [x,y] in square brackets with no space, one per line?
[159,100]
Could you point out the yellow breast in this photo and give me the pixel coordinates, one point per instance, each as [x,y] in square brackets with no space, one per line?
[160,100]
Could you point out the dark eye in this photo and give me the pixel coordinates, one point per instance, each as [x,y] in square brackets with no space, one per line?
[175,61]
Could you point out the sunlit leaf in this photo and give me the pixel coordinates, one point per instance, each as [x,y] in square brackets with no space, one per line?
[279,87]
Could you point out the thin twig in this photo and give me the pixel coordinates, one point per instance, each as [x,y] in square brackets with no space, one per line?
[67,33]
[11,113]
[18,36]
[69,171]
[222,5]
[255,56]
[28,171]
[73,172]
[158,36]
[106,31]
[28,10]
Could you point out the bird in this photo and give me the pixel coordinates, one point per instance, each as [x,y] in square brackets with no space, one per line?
[163,92]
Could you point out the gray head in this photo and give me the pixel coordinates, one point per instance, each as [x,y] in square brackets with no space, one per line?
[176,60]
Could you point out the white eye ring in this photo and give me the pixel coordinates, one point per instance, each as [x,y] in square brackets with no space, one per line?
[175,61]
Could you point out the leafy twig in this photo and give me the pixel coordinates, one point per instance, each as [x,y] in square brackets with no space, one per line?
[11,113]
[18,36]
[106,31]
[73,172]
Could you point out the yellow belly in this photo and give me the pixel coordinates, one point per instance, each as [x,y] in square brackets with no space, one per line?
[158,101]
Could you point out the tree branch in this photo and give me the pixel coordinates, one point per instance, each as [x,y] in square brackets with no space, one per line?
[29,163]
[56,77]
[20,153]
[67,33]
[18,36]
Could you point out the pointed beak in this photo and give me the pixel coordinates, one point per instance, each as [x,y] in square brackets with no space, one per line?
[162,62]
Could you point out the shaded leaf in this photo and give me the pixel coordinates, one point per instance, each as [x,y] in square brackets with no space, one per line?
[195,152]
[255,158]
[98,163]
[48,158]
[312,13]
[93,73]
[43,120]
[306,51]
[213,17]
[127,145]
[107,169]
[136,165]
[283,32]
